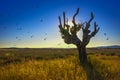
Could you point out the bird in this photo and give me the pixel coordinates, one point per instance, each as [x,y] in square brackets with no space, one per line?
[105,34]
[41,20]
[17,24]
[45,38]
[107,38]
[45,33]
[19,28]
[32,36]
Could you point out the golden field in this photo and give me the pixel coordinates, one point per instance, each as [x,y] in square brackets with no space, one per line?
[58,64]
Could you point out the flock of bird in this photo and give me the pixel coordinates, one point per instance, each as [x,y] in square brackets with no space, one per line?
[20,29]
[32,36]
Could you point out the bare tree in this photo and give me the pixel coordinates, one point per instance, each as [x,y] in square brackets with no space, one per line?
[69,33]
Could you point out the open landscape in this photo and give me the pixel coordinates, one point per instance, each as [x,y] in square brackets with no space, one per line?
[59,40]
[58,64]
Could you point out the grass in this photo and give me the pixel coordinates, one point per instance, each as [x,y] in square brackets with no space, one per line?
[107,66]
[57,69]
[37,64]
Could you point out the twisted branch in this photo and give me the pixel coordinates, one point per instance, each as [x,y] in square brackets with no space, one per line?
[60,25]
[86,31]
[74,17]
[69,33]
[64,19]
[95,30]
[88,23]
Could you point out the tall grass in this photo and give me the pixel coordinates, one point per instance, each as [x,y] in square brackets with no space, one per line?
[107,66]
[57,69]
[54,66]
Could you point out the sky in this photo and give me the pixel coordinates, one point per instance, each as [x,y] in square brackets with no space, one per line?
[34,23]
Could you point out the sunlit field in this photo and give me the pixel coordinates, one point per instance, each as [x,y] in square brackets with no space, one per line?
[57,64]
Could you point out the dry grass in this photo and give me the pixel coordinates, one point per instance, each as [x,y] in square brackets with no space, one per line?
[107,66]
[57,69]
[54,66]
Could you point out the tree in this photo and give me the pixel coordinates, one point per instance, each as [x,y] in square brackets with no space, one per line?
[69,33]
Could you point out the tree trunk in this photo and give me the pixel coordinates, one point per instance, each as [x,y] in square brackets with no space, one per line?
[82,53]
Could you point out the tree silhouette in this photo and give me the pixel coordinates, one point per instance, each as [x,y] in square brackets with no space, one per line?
[69,33]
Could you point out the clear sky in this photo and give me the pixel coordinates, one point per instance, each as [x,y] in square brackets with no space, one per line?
[34,23]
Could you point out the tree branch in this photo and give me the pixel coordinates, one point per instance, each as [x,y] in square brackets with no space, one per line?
[92,16]
[60,23]
[74,17]
[95,30]
[69,33]
[88,23]
[64,19]
[65,29]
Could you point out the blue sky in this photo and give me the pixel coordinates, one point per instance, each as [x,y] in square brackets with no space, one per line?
[34,23]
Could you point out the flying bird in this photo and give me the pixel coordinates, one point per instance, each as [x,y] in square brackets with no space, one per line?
[19,28]
[45,38]
[41,20]
[17,24]
[32,36]
[28,32]
[105,34]
[107,38]
[45,33]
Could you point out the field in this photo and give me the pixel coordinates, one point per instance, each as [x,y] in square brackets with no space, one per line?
[58,64]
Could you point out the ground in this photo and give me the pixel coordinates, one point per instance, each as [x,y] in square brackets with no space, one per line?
[58,64]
